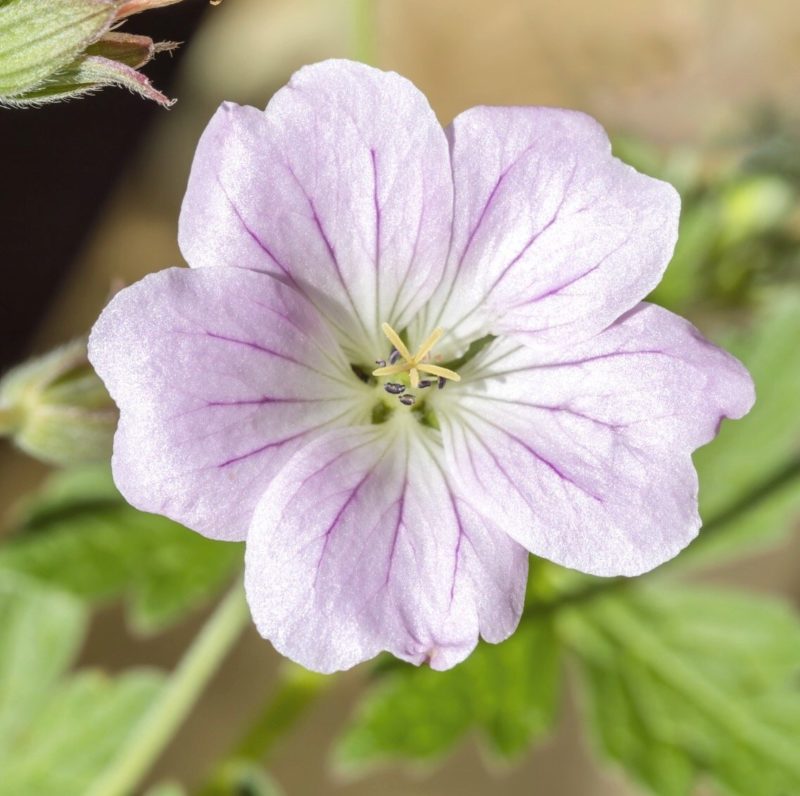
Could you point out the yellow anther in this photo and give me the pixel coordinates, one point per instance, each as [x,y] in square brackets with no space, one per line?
[415,364]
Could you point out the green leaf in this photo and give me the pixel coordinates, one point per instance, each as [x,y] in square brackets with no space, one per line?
[92,544]
[38,38]
[508,691]
[40,632]
[685,684]
[71,740]
[56,733]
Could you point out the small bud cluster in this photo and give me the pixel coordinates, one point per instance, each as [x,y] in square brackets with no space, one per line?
[53,50]
[56,409]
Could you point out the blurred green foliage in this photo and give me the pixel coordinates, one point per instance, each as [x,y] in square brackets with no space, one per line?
[79,535]
[508,692]
[686,683]
[739,232]
[57,731]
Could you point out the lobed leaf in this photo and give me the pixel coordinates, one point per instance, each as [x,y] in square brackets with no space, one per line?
[40,632]
[57,733]
[509,692]
[80,536]
[60,755]
[686,685]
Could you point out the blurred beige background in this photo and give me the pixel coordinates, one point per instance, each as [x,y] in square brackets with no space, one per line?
[673,71]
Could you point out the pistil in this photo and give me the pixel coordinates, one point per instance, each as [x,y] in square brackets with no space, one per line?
[414,364]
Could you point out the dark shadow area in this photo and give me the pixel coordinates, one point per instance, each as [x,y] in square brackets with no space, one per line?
[59,165]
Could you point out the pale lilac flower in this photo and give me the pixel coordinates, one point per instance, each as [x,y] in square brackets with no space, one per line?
[401,519]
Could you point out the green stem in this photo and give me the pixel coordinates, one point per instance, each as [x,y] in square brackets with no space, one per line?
[364,27]
[297,689]
[149,737]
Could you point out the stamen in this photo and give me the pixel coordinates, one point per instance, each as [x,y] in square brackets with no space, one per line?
[395,340]
[381,363]
[407,399]
[425,348]
[393,388]
[438,370]
[441,382]
[416,364]
[390,370]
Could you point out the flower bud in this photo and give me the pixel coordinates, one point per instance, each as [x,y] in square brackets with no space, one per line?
[56,409]
[58,49]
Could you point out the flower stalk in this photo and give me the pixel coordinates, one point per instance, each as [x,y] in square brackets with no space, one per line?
[186,684]
[297,689]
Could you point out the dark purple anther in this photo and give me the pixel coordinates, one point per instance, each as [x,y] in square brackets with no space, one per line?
[393,388]
[425,383]
[407,400]
[442,382]
[381,363]
[394,356]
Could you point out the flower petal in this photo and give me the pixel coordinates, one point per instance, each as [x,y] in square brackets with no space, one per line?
[584,457]
[220,375]
[553,238]
[341,186]
[360,545]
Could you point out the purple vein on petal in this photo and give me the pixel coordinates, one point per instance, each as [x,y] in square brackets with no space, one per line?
[277,443]
[473,232]
[462,534]
[536,455]
[556,290]
[255,238]
[328,245]
[401,501]
[578,362]
[536,235]
[489,202]
[267,399]
[462,531]
[377,256]
[257,347]
[546,408]
[493,456]
[326,536]
[394,313]
[263,448]
[340,512]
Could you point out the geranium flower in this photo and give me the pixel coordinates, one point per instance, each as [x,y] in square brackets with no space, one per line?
[404,358]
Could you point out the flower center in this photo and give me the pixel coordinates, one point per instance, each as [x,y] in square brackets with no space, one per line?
[402,361]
